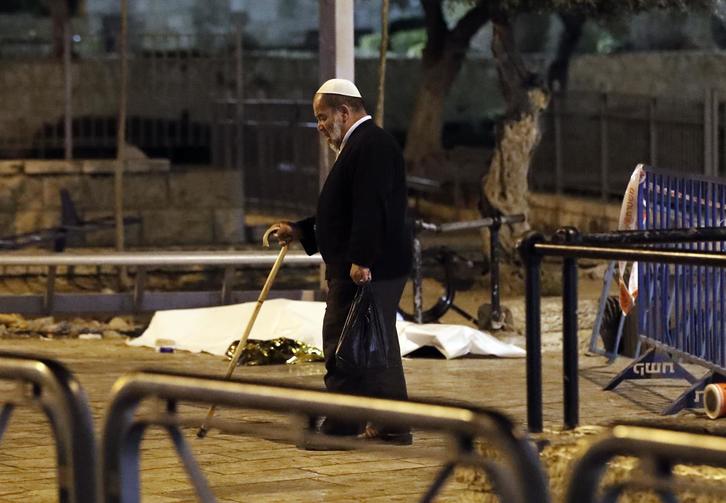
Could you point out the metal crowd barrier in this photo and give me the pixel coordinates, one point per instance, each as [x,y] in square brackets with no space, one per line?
[658,451]
[140,299]
[446,301]
[567,243]
[54,389]
[517,477]
[681,309]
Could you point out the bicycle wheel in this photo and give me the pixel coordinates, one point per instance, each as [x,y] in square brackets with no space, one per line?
[437,286]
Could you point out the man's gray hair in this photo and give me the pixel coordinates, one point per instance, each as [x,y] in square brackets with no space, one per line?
[337,100]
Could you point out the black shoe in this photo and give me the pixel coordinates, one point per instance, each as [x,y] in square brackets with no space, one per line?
[322,432]
[397,438]
[372,434]
[336,428]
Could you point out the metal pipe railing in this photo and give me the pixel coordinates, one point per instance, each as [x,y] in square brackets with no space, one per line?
[139,299]
[518,479]
[533,248]
[655,236]
[494,224]
[64,402]
[155,259]
[659,450]
[471,224]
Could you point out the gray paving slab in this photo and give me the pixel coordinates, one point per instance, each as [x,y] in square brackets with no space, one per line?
[246,468]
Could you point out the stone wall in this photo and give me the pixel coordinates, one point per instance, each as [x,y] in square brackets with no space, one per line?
[678,74]
[180,207]
[174,88]
[547,212]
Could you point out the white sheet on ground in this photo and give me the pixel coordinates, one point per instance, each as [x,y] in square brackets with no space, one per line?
[213,329]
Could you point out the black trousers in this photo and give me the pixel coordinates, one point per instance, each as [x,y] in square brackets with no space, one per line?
[380,383]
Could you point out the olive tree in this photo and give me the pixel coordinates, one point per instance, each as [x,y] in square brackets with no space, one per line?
[526,93]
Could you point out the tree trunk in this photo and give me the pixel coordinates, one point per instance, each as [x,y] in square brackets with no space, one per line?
[505,187]
[442,59]
[424,131]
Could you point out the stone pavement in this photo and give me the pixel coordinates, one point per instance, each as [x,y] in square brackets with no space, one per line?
[244,468]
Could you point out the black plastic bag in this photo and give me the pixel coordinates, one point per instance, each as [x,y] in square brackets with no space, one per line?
[363,343]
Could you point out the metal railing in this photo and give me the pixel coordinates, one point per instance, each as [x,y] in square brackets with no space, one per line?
[681,310]
[281,150]
[676,238]
[59,395]
[175,79]
[517,476]
[658,451]
[446,301]
[619,131]
[140,299]
[568,244]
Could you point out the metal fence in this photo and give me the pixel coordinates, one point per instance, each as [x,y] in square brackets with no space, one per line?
[659,452]
[570,245]
[175,79]
[592,141]
[140,299]
[47,385]
[281,150]
[681,307]
[510,462]
[185,103]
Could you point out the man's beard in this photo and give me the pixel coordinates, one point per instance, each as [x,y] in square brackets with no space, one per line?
[335,137]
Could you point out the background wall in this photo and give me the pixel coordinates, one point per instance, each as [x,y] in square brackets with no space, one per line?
[182,207]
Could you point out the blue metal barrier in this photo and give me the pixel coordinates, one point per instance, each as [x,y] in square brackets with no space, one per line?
[681,307]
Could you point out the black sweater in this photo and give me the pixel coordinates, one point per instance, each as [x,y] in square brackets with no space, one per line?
[361,214]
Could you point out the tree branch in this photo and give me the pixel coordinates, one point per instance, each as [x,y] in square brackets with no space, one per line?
[514,78]
[436,29]
[470,24]
[558,70]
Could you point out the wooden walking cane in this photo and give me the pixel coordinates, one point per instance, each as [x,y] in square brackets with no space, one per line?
[243,340]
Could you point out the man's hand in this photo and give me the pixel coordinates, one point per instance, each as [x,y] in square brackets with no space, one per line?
[285,232]
[360,274]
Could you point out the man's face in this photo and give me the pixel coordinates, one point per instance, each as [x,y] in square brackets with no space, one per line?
[331,122]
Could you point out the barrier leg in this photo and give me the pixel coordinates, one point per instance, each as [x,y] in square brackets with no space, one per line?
[196,476]
[607,281]
[441,478]
[417,281]
[533,329]
[497,320]
[5,418]
[693,397]
[652,365]
[569,343]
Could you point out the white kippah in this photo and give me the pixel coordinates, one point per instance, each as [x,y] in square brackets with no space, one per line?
[339,86]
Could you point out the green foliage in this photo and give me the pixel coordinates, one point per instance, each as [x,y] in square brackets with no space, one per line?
[406,42]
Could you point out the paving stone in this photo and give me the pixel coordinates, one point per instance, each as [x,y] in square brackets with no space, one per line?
[247,468]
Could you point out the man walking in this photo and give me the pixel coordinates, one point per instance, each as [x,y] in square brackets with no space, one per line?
[360,231]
